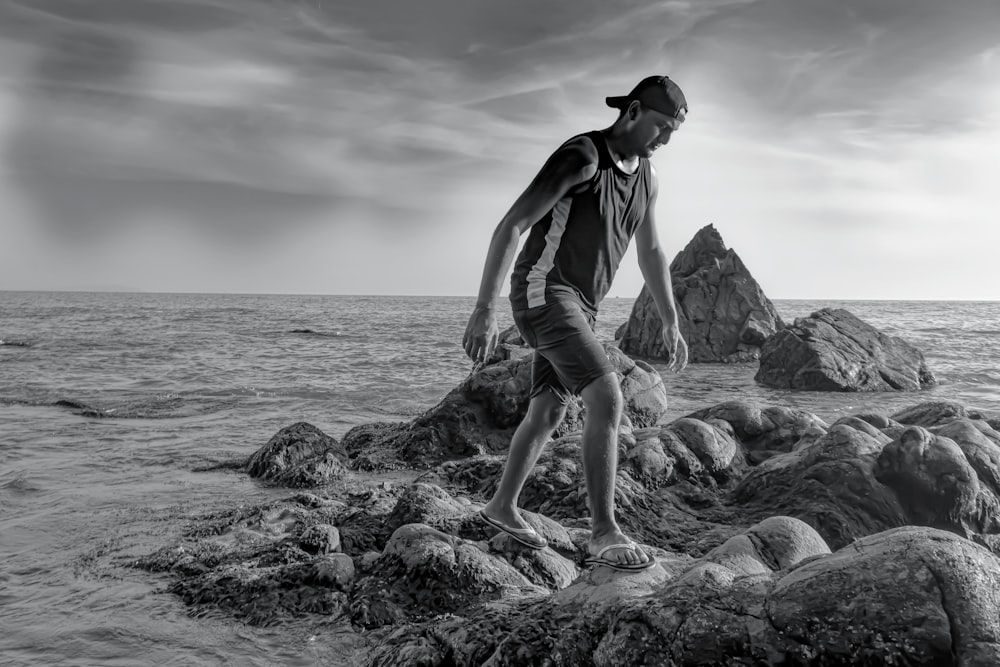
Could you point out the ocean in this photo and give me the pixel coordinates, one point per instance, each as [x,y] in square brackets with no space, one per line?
[111,402]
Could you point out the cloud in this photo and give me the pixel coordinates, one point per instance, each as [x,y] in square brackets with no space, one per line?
[174,15]
[245,124]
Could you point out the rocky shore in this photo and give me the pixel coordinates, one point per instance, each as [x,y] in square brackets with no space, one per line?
[780,539]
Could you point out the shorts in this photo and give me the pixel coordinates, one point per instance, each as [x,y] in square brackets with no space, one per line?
[567,355]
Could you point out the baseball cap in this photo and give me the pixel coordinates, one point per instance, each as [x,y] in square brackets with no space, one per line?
[655,92]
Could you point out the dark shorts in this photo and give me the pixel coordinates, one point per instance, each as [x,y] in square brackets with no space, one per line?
[568,355]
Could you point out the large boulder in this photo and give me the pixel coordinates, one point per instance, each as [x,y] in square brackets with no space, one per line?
[724,315]
[480,415]
[833,350]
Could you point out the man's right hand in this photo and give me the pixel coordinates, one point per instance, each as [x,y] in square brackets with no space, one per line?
[481,334]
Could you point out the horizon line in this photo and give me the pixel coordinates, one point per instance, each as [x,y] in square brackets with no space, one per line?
[426,296]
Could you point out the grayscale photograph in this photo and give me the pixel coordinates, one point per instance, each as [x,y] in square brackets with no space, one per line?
[459,333]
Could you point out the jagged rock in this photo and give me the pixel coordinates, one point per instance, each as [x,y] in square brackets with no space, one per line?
[480,415]
[297,456]
[832,350]
[723,313]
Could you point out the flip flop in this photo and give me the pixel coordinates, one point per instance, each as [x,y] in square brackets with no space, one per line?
[599,559]
[517,534]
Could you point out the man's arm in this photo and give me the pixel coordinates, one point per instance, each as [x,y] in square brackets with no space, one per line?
[572,164]
[656,273]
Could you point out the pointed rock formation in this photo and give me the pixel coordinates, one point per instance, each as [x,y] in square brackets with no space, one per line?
[724,314]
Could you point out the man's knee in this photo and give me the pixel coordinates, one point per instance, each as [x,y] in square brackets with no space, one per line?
[603,397]
[547,409]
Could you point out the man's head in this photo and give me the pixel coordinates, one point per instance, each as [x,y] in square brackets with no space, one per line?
[650,114]
[658,93]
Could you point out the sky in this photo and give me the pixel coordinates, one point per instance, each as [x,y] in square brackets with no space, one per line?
[845,149]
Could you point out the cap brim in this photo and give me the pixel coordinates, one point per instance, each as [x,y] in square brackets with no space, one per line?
[619,102]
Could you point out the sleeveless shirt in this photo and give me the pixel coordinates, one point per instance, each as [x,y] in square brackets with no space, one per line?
[574,250]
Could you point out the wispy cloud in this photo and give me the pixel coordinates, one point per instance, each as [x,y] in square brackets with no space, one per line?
[248,123]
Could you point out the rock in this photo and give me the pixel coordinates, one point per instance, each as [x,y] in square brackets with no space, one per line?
[763,432]
[427,504]
[773,544]
[298,456]
[423,572]
[320,539]
[716,451]
[933,413]
[260,580]
[908,596]
[832,350]
[744,573]
[484,637]
[828,481]
[333,571]
[723,313]
[480,415]
[932,478]
[981,445]
[510,345]
[774,595]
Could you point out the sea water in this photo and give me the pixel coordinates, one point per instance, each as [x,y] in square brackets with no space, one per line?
[110,403]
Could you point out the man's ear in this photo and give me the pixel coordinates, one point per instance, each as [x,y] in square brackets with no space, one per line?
[634,107]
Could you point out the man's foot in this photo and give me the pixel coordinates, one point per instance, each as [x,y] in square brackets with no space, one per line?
[617,551]
[516,528]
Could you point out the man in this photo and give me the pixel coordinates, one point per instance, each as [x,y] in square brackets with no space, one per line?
[582,209]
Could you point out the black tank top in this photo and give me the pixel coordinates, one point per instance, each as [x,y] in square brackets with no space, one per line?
[574,250]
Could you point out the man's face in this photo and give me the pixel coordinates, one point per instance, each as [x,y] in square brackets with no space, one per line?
[652,130]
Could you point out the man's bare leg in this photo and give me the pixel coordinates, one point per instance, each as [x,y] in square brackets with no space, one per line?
[603,400]
[545,413]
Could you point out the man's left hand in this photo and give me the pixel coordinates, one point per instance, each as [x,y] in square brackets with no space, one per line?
[676,348]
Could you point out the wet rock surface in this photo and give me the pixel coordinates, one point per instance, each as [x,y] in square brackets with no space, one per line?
[833,350]
[779,539]
[724,315]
